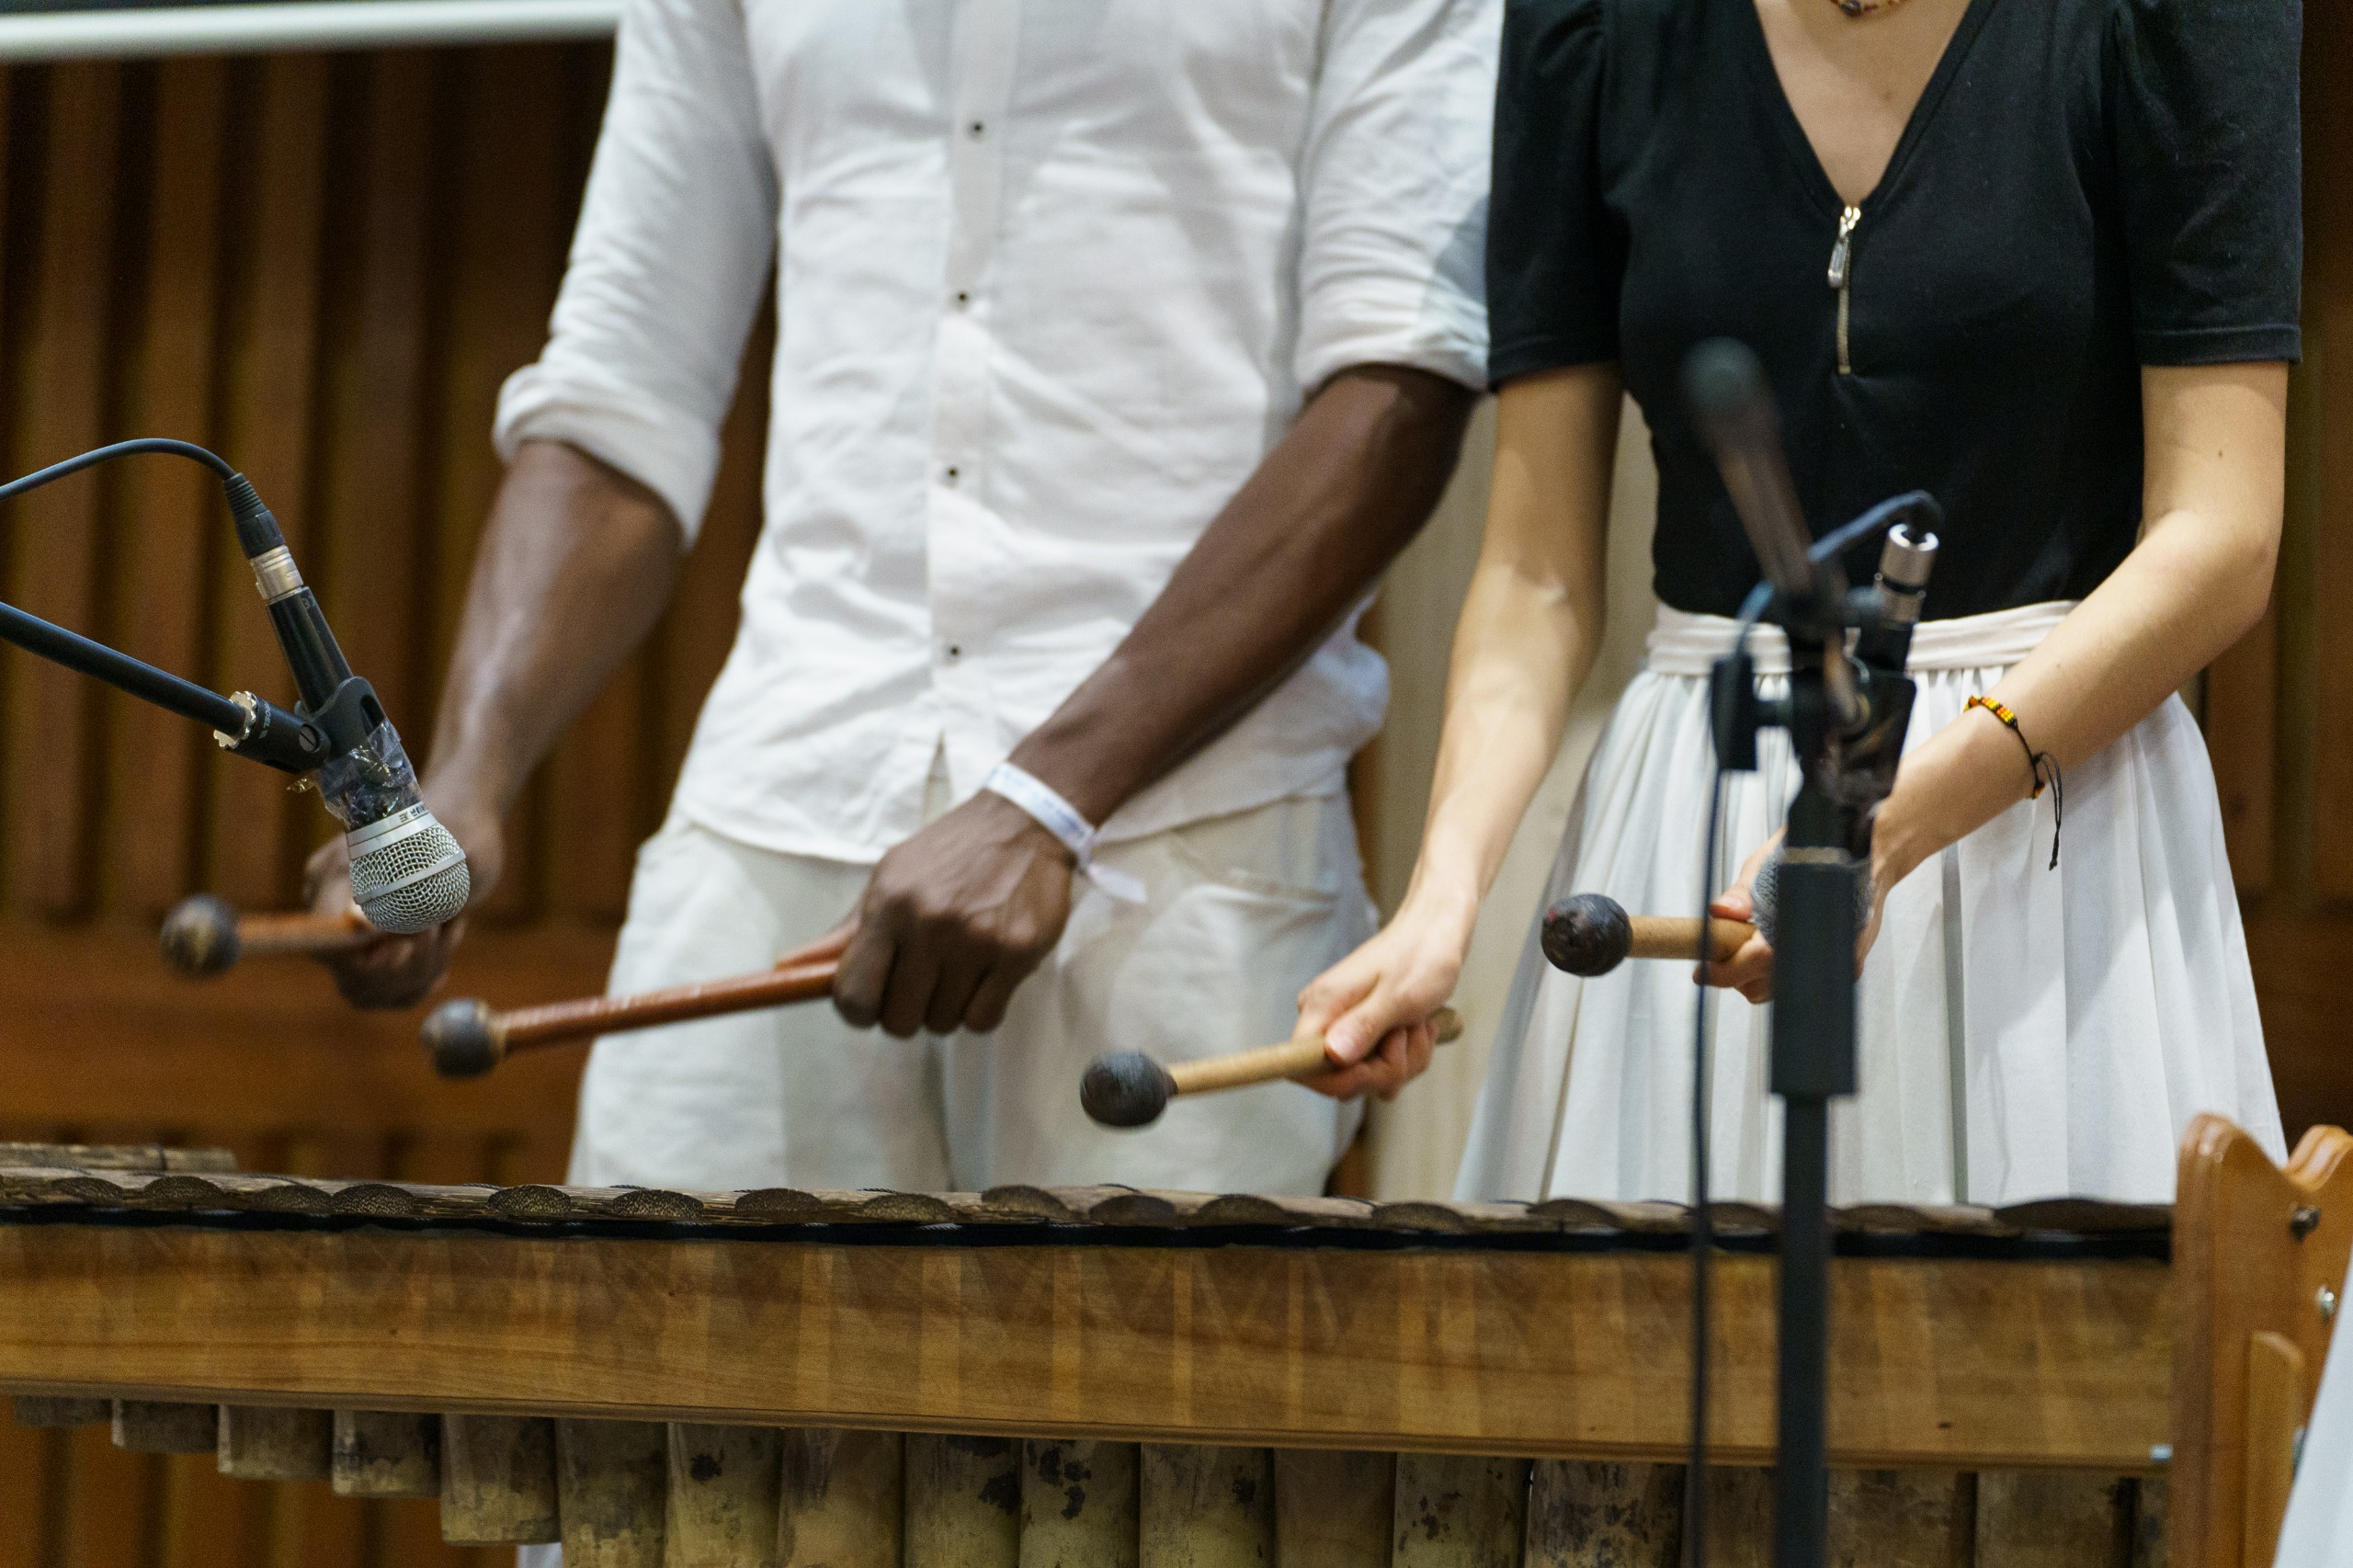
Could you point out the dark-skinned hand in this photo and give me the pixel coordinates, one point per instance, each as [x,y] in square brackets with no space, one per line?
[400,972]
[954,920]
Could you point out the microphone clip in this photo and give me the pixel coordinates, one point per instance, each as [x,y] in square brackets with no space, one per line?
[1849,705]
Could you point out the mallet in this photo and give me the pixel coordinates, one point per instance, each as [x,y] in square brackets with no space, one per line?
[1127,1088]
[202,935]
[466,1039]
[1590,934]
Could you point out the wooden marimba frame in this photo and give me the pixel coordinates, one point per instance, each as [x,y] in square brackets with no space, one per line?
[1026,1376]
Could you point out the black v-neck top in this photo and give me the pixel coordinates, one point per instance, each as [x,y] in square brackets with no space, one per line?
[2085,187]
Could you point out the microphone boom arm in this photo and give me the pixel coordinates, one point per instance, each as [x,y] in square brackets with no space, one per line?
[408,872]
[244,725]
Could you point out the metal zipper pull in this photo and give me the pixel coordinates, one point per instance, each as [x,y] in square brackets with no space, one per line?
[1841,256]
[1844,247]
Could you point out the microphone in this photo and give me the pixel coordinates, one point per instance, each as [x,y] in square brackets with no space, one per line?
[408,873]
[1724,382]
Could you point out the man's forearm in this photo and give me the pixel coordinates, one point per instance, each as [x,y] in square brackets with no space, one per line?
[1297,545]
[575,565]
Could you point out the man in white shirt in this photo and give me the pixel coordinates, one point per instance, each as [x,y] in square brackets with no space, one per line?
[1119,346]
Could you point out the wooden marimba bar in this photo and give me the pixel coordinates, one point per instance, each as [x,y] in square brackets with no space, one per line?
[1033,1375]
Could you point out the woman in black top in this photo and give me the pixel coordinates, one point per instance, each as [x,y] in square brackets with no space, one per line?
[2037,256]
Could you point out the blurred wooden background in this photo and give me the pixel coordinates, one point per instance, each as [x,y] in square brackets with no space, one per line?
[324,267]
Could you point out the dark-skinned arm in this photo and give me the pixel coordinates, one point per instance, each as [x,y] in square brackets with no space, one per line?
[956,916]
[575,565]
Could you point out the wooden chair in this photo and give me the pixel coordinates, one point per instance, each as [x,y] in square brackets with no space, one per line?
[2259,1256]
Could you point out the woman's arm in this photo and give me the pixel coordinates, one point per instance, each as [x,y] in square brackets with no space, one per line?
[1530,630]
[2216,440]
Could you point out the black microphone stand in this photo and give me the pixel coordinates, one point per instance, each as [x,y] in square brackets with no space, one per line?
[244,725]
[1847,747]
[1847,713]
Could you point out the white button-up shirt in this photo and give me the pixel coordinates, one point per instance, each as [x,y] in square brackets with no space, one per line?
[1052,277]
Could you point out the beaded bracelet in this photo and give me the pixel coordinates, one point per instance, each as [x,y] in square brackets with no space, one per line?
[2038,763]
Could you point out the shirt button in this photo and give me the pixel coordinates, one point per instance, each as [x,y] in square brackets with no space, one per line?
[977,130]
[954,652]
[963,298]
[950,474]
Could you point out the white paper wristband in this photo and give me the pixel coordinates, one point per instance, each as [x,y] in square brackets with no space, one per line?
[1059,817]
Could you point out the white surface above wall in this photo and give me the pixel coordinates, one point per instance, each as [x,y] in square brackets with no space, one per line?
[144,31]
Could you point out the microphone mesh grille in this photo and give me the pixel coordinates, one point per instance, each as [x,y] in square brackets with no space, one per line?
[411,880]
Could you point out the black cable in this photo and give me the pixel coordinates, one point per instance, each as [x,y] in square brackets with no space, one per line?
[264,732]
[1703,1239]
[1695,1488]
[164,444]
[1838,541]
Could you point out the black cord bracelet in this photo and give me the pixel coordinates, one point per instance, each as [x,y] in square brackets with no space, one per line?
[2041,764]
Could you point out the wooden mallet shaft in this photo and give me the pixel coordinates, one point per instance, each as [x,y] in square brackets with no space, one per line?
[466,1039]
[1590,933]
[1128,1088]
[202,935]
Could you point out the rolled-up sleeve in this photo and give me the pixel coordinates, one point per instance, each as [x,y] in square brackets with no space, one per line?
[1394,189]
[666,266]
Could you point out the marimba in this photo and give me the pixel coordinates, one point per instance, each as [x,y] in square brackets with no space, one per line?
[1031,1375]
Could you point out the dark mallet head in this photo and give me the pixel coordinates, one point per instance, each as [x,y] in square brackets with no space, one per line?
[1588,934]
[199,936]
[1125,1088]
[462,1039]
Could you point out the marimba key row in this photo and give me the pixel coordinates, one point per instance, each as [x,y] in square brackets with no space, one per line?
[650,1494]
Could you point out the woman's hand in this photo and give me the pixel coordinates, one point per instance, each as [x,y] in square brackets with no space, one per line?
[1750,970]
[1373,1008]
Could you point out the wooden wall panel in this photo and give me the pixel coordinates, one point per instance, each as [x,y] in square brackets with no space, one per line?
[2299,907]
[58,386]
[324,267]
[268,421]
[169,525]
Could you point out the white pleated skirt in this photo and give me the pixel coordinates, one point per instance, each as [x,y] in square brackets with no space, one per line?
[2023,1031]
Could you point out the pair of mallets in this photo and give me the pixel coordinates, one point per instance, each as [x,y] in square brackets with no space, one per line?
[466,1038]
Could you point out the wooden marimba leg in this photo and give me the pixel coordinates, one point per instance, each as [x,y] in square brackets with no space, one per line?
[1204,1508]
[268,1443]
[963,1502]
[963,1507]
[154,1427]
[497,1480]
[2150,1502]
[1740,1517]
[843,1499]
[612,1482]
[1904,1518]
[722,1507]
[1629,1515]
[32,1410]
[1078,1504]
[2047,1518]
[1333,1508]
[1459,1511]
[386,1453]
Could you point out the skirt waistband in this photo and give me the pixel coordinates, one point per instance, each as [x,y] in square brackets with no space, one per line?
[1686,644]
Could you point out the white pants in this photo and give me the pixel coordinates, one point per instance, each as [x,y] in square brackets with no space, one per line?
[1242,912]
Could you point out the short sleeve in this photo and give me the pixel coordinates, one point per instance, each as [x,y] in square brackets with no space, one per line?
[2208,155]
[1394,189]
[675,237]
[1555,252]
